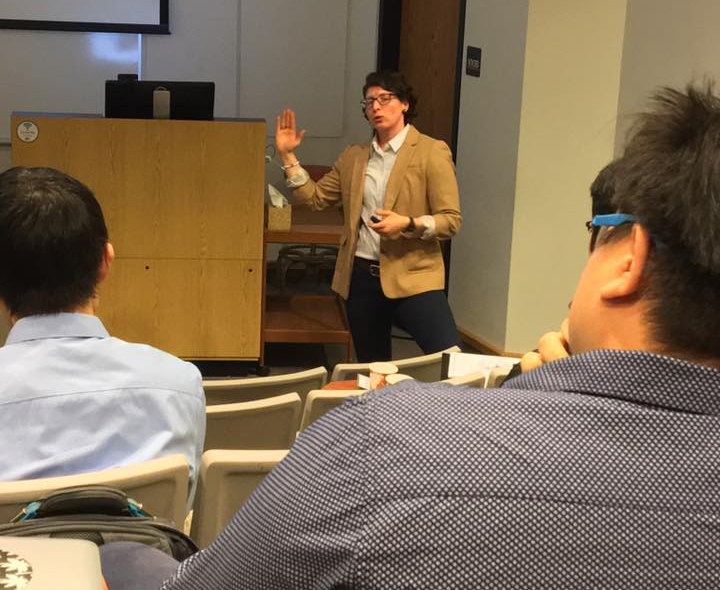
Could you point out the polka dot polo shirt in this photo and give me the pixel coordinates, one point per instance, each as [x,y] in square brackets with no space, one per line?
[601,470]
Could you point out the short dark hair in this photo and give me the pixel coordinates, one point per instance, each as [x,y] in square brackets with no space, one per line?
[602,190]
[394,82]
[669,177]
[52,241]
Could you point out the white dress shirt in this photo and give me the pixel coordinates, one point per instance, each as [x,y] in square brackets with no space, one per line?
[74,399]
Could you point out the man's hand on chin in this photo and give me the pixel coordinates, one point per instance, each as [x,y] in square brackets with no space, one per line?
[552,346]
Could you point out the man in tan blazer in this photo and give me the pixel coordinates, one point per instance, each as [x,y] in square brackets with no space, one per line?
[399,196]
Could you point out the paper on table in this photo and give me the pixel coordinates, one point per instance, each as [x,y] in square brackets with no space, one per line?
[363,381]
[462,363]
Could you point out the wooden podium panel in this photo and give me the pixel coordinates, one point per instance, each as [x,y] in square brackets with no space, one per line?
[168,189]
[195,308]
[183,201]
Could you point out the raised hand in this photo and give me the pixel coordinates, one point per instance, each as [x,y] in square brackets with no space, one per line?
[287,138]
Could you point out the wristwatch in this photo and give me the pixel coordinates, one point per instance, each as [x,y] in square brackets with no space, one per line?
[410,226]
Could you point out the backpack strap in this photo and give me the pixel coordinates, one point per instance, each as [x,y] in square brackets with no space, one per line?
[98,499]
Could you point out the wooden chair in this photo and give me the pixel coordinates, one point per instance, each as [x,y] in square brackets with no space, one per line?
[423,368]
[160,485]
[321,401]
[227,478]
[269,423]
[229,391]
[312,258]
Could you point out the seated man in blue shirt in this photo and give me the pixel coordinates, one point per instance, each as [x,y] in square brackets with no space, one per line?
[598,470]
[72,398]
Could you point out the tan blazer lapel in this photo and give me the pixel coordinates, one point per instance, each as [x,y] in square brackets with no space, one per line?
[357,186]
[401,163]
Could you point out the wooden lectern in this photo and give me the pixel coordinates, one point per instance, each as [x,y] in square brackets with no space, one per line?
[183,201]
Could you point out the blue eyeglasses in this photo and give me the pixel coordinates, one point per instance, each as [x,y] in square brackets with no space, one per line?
[611,219]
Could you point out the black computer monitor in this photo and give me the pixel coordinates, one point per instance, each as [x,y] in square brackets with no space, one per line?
[133,99]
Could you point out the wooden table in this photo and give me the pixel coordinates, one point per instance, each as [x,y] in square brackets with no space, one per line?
[305,318]
[306,234]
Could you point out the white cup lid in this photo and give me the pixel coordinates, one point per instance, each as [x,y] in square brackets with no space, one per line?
[382,368]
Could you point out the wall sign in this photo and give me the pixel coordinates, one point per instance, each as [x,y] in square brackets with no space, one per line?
[472,61]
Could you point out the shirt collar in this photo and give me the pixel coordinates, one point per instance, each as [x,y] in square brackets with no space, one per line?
[630,375]
[58,325]
[395,143]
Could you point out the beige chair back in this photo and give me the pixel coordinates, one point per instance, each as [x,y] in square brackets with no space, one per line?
[160,485]
[321,401]
[476,379]
[422,368]
[227,478]
[230,391]
[261,424]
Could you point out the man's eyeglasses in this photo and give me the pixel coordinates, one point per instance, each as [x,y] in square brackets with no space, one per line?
[612,219]
[382,99]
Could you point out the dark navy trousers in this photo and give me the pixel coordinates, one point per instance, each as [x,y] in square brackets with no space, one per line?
[425,316]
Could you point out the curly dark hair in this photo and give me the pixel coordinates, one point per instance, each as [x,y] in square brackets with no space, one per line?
[394,82]
[669,177]
[52,241]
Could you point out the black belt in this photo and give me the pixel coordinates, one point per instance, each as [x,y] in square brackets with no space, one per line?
[370,266]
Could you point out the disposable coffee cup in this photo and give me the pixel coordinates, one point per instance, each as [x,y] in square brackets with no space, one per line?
[379,373]
[396,378]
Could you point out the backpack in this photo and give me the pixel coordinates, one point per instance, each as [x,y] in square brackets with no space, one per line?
[101,514]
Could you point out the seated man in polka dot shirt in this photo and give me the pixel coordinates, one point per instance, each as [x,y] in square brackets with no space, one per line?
[599,470]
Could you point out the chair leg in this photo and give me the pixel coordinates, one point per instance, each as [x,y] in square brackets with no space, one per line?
[283,266]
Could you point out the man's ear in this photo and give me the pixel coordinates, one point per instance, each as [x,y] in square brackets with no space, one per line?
[627,264]
[107,260]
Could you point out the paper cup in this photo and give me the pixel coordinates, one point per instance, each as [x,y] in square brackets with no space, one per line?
[379,372]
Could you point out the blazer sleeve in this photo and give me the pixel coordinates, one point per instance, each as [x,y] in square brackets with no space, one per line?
[442,191]
[327,191]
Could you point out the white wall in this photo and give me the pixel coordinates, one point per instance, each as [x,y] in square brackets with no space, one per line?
[667,43]
[300,64]
[535,129]
[569,106]
[205,45]
[202,46]
[361,56]
[486,167]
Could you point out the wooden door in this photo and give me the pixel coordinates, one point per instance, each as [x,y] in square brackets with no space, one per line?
[423,40]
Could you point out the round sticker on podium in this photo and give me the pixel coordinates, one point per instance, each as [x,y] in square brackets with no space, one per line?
[27,131]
